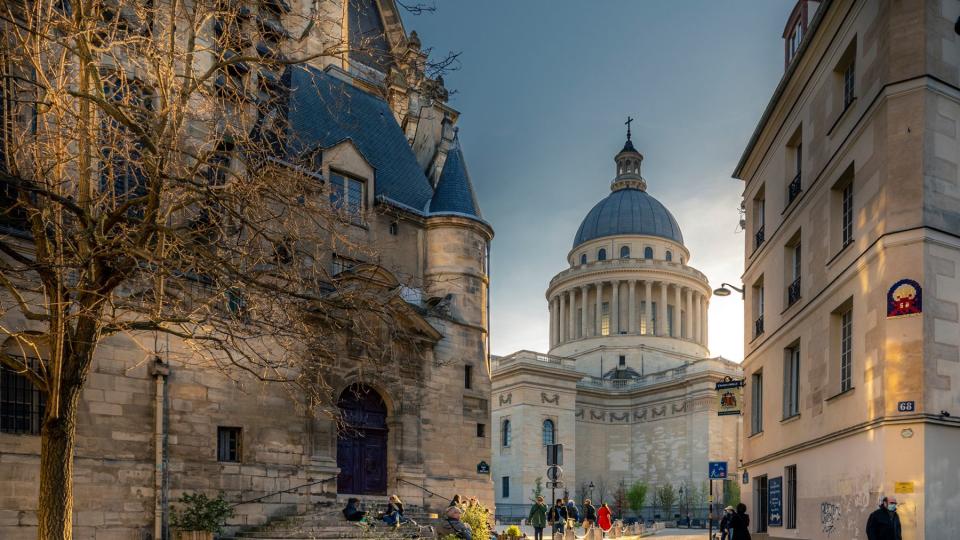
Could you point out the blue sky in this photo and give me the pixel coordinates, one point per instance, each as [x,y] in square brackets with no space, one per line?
[544,89]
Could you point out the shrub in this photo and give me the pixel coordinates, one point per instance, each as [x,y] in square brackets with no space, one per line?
[201,513]
[477,516]
[514,532]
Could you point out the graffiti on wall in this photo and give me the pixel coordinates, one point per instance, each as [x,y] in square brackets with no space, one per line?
[829,516]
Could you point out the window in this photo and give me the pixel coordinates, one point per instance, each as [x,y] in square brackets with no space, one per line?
[549,433]
[625,252]
[846,218]
[602,255]
[795,166]
[644,324]
[623,360]
[347,195]
[759,218]
[468,377]
[394,228]
[237,305]
[230,39]
[21,403]
[505,487]
[481,430]
[579,329]
[794,40]
[791,381]
[845,75]
[841,210]
[794,256]
[790,473]
[341,264]
[648,253]
[505,434]
[122,174]
[848,85]
[670,321]
[654,317]
[228,443]
[669,256]
[763,509]
[583,258]
[605,319]
[756,404]
[846,350]
[758,307]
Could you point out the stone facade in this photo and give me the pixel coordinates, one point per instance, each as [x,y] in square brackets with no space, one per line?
[628,384]
[438,256]
[870,104]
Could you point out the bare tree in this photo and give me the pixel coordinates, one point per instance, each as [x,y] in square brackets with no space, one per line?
[664,498]
[148,192]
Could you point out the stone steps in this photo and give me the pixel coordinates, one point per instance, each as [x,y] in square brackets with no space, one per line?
[327,523]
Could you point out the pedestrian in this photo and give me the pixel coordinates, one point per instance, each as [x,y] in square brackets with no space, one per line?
[589,515]
[557,516]
[725,523]
[352,512]
[740,523]
[573,513]
[604,516]
[452,524]
[884,523]
[537,518]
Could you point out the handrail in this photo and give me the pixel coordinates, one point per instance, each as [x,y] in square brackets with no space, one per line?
[422,488]
[290,490]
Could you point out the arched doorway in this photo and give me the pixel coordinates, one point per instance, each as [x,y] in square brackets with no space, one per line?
[362,443]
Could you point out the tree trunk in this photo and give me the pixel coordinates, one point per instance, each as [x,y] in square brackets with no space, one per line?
[57,438]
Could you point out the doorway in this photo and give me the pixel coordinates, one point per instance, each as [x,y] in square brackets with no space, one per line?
[362,443]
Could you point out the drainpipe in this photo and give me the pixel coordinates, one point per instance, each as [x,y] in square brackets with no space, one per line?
[159,370]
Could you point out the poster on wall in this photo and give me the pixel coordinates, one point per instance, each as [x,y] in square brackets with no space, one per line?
[904,298]
[730,395]
[775,501]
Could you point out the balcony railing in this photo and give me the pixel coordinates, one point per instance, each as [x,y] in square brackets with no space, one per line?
[758,238]
[794,189]
[793,292]
[758,326]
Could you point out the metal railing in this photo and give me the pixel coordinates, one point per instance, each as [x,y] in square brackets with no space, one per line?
[433,493]
[794,189]
[758,326]
[629,384]
[793,292]
[758,238]
[289,490]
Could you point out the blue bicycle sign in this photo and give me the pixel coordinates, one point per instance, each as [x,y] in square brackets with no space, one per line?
[718,470]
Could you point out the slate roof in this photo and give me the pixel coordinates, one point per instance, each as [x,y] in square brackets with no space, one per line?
[324,111]
[454,192]
[628,211]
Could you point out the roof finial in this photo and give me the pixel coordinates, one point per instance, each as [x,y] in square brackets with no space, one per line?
[629,119]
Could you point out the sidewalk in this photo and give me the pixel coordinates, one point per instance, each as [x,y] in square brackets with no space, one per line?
[665,534]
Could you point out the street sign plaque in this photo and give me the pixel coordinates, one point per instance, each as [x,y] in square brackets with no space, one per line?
[718,470]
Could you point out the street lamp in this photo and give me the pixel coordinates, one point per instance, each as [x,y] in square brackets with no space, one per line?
[590,488]
[724,291]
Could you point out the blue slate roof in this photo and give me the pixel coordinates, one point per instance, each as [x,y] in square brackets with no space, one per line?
[324,111]
[628,211]
[454,192]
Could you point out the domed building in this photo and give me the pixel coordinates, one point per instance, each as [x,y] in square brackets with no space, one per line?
[627,386]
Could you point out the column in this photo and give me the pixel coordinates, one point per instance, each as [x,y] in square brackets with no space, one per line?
[615,307]
[632,306]
[585,314]
[706,324]
[662,311]
[690,333]
[598,328]
[561,319]
[698,323]
[677,304]
[553,322]
[648,298]
[572,321]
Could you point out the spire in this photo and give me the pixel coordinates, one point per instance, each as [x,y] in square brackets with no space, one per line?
[628,165]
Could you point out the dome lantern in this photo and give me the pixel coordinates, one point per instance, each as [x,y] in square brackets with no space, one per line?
[628,166]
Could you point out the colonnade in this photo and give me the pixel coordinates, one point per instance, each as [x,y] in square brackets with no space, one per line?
[595,309]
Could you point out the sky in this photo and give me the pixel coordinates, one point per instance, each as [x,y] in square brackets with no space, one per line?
[544,88]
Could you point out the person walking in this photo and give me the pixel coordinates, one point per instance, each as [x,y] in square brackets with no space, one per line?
[537,518]
[884,523]
[604,518]
[740,524]
[557,516]
[725,523]
[589,516]
[573,513]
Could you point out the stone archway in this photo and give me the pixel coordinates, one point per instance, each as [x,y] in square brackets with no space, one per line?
[362,443]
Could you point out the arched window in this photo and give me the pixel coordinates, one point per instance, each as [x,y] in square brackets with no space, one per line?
[602,254]
[549,433]
[583,258]
[505,434]
[648,253]
[669,256]
[625,252]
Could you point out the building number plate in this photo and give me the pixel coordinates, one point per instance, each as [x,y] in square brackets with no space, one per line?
[906,406]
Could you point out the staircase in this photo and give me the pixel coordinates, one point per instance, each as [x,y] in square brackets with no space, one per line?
[326,522]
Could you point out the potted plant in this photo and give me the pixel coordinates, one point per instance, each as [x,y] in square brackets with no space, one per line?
[199,517]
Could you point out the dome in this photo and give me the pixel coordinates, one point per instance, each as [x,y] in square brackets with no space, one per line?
[628,211]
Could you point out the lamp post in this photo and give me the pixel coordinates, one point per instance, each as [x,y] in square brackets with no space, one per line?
[590,490]
[723,290]
[683,505]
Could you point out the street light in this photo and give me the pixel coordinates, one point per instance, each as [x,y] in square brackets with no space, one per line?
[590,488]
[724,291]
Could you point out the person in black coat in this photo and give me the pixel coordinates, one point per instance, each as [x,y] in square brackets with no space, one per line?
[557,515]
[352,512]
[884,523]
[725,523]
[740,523]
[589,515]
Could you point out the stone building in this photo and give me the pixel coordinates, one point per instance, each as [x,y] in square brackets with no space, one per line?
[150,429]
[628,384]
[852,197]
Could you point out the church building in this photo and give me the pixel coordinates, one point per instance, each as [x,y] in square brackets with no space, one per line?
[627,386]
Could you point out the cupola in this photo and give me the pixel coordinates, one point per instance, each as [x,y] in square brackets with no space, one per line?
[628,163]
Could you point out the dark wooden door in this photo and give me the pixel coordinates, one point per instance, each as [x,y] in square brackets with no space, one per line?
[362,442]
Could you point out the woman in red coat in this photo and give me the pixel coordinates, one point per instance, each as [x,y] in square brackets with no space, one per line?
[603,517]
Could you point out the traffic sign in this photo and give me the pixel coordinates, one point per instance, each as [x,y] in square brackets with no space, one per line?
[554,454]
[718,470]
[554,473]
[552,485]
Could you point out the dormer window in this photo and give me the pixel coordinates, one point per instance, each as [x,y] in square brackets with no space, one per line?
[602,254]
[796,30]
[669,256]
[583,258]
[625,252]
[648,253]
